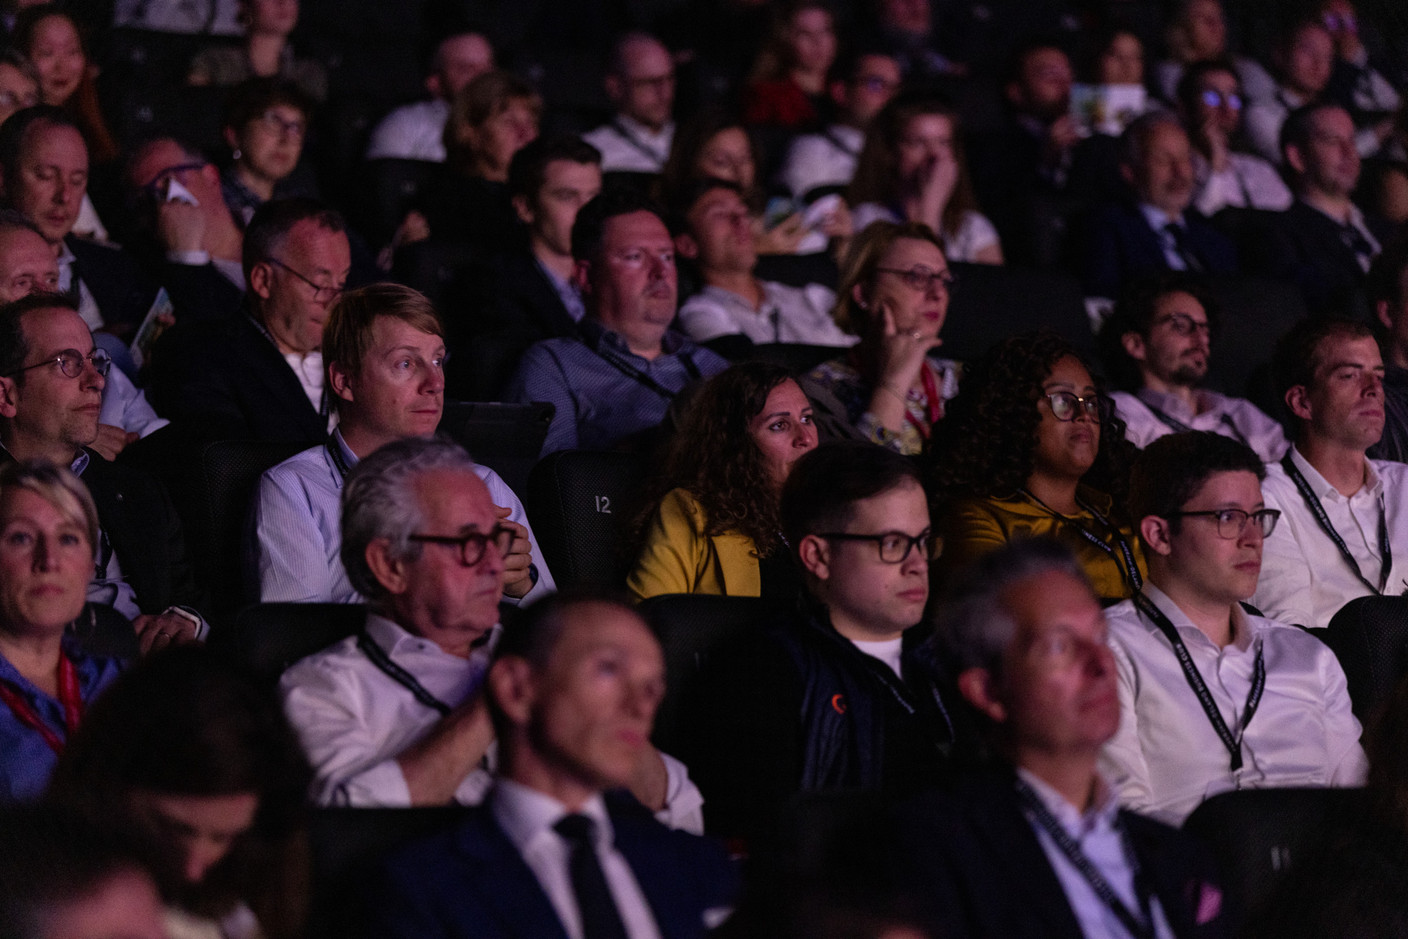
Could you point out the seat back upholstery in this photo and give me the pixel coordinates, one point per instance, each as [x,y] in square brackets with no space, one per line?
[507,438]
[267,638]
[1370,638]
[580,503]
[990,303]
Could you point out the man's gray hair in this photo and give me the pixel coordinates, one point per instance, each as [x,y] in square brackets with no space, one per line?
[1134,142]
[972,620]
[379,501]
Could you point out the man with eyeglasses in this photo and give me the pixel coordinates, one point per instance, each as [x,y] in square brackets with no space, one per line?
[848,697]
[1158,341]
[385,351]
[1344,522]
[640,82]
[51,384]
[259,375]
[396,715]
[1213,696]
[736,309]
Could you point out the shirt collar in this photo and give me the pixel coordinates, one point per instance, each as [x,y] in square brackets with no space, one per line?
[595,334]
[526,814]
[1243,629]
[640,130]
[1324,490]
[1100,815]
[394,638]
[65,255]
[1158,218]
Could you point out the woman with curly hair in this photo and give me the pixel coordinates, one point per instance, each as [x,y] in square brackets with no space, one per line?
[1025,446]
[912,169]
[893,294]
[716,529]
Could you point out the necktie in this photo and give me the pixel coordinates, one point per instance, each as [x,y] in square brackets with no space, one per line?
[600,918]
[1355,241]
[1181,248]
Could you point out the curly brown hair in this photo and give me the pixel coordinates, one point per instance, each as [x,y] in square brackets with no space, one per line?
[984,447]
[712,457]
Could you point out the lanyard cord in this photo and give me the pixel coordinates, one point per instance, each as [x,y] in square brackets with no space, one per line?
[1130,571]
[1323,520]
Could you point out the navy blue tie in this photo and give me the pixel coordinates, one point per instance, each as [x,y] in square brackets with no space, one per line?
[600,918]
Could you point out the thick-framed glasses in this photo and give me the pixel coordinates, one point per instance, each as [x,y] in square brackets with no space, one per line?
[1066,405]
[1232,522]
[71,362]
[272,122]
[894,546]
[919,278]
[473,545]
[1184,325]
[1216,99]
[321,293]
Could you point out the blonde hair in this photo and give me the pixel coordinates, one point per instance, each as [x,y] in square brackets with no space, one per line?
[867,248]
[58,486]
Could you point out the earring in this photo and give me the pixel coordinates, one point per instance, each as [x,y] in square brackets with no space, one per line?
[237,154]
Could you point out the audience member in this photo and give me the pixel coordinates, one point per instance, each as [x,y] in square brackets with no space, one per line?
[266,120]
[618,376]
[1156,231]
[1025,444]
[572,693]
[48,535]
[859,86]
[1211,104]
[192,762]
[1158,343]
[894,294]
[715,529]
[62,880]
[259,374]
[416,131]
[265,53]
[913,170]
[736,309]
[1355,82]
[51,383]
[384,349]
[1198,33]
[1192,661]
[640,81]
[788,86]
[1342,514]
[48,35]
[19,83]
[1044,825]
[1388,289]
[926,53]
[180,207]
[847,697]
[1304,58]
[1119,57]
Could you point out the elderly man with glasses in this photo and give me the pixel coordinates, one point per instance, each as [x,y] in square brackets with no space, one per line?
[259,375]
[51,384]
[1214,696]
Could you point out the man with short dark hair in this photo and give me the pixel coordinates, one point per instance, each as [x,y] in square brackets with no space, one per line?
[417,131]
[640,81]
[260,375]
[558,849]
[1344,518]
[1213,696]
[1039,846]
[1159,340]
[618,375]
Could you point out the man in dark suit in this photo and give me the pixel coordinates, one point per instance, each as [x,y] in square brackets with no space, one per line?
[259,375]
[1040,847]
[1155,231]
[573,692]
[51,383]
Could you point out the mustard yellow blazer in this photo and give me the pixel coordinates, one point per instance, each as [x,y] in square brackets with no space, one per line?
[679,558]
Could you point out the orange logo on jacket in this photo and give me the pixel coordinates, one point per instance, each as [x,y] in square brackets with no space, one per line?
[838,703]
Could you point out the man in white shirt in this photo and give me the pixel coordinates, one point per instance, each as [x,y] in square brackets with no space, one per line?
[1041,847]
[1344,517]
[863,84]
[385,352]
[557,849]
[641,85]
[1160,336]
[416,131]
[1214,697]
[716,232]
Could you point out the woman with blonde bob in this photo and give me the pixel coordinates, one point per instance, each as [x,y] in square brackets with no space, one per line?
[48,530]
[894,294]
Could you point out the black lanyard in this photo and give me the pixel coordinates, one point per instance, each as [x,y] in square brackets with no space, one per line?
[1139,925]
[636,143]
[339,461]
[644,380]
[396,673]
[1200,687]
[1323,520]
[1131,569]
[1174,424]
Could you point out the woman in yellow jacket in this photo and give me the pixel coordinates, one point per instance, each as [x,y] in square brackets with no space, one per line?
[715,529]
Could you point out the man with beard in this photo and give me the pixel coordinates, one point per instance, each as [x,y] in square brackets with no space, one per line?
[1159,342]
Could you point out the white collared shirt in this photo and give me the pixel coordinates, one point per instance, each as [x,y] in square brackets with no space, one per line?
[1167,758]
[787,314]
[413,131]
[629,146]
[527,818]
[87,303]
[1248,182]
[825,159]
[1304,579]
[1237,418]
[1099,837]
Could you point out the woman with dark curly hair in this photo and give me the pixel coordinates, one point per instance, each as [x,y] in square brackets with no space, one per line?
[716,529]
[1025,445]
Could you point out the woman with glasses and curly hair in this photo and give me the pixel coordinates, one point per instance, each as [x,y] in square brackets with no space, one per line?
[1032,448]
[716,528]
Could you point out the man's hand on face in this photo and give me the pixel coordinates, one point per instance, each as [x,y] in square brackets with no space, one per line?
[180,225]
[517,579]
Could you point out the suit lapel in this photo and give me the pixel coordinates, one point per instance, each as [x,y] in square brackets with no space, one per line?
[283,384]
[504,881]
[657,876]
